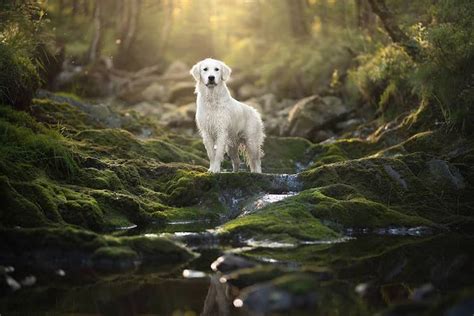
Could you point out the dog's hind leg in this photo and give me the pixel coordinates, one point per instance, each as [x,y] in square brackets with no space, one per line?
[254,154]
[233,152]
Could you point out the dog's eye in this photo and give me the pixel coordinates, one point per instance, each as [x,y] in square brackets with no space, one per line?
[205,69]
[217,69]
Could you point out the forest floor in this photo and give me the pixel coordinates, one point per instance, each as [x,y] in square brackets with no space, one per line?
[121,204]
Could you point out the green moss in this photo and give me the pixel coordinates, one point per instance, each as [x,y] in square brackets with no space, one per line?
[19,77]
[436,143]
[20,241]
[187,188]
[168,152]
[296,283]
[43,195]
[280,221]
[197,213]
[63,114]
[340,150]
[283,154]
[120,209]
[82,210]
[114,253]
[99,179]
[59,242]
[17,210]
[153,248]
[350,209]
[118,143]
[24,140]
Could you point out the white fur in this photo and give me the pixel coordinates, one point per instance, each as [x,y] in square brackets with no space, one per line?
[225,124]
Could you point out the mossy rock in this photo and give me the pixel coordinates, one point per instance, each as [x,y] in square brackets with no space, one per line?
[285,154]
[64,246]
[64,114]
[341,207]
[388,181]
[114,258]
[340,150]
[123,210]
[24,140]
[153,249]
[286,221]
[50,202]
[17,210]
[118,143]
[99,179]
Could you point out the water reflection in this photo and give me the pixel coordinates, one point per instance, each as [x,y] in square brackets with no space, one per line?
[368,275]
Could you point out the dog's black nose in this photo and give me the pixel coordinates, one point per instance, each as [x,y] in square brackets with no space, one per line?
[211,78]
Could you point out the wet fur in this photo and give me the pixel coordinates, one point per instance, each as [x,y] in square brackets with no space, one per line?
[225,124]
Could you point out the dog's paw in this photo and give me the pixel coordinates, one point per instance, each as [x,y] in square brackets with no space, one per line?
[214,170]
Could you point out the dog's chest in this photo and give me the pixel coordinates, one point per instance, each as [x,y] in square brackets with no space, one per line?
[212,120]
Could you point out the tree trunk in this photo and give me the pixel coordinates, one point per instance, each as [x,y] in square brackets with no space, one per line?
[85,7]
[323,16]
[95,47]
[344,13]
[127,29]
[167,23]
[131,25]
[298,18]
[61,7]
[394,31]
[75,7]
[364,16]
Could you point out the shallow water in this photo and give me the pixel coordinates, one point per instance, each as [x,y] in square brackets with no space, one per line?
[369,272]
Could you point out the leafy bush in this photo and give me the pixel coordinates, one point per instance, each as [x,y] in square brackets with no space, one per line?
[384,79]
[448,71]
[293,68]
[20,23]
[19,78]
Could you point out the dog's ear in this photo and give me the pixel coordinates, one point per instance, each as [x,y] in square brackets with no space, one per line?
[195,71]
[226,71]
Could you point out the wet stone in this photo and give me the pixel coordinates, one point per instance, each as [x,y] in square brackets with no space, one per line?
[228,263]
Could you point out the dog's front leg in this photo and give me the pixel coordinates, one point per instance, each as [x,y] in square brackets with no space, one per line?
[209,145]
[219,150]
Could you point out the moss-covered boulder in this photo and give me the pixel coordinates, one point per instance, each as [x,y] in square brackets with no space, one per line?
[71,248]
[287,221]
[285,154]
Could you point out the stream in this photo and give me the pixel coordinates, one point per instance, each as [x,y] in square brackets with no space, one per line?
[364,272]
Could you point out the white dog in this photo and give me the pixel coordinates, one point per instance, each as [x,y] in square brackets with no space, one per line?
[225,123]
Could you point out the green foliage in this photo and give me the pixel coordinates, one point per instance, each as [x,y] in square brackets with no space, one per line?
[448,70]
[296,69]
[19,77]
[384,80]
[20,34]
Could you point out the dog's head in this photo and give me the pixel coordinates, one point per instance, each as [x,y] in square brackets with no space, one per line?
[210,72]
